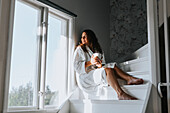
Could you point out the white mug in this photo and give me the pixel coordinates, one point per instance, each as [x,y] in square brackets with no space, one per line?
[99,55]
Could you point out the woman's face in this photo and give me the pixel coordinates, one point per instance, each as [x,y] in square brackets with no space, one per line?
[84,38]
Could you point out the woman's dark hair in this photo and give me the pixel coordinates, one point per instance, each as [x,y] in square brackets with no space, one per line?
[92,42]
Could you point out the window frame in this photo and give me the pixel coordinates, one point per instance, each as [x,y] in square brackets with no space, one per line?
[60,17]
[70,31]
[11,28]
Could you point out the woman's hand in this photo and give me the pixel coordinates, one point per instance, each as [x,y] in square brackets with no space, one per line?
[95,60]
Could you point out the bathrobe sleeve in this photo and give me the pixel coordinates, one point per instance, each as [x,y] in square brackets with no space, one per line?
[79,61]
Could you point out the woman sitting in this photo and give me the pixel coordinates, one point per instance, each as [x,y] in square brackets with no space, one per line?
[90,72]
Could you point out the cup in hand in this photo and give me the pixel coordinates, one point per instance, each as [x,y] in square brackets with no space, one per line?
[99,61]
[99,55]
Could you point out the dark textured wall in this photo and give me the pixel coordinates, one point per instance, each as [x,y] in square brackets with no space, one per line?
[128,27]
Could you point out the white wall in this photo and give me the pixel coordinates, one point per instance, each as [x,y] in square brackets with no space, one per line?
[93,14]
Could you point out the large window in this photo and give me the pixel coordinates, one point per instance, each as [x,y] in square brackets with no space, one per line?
[39,57]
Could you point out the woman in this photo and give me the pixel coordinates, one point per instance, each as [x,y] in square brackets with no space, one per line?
[89,71]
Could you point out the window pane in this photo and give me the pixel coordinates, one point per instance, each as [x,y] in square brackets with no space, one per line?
[56,61]
[24,59]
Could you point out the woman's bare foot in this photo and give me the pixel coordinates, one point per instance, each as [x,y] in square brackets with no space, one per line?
[134,81]
[125,96]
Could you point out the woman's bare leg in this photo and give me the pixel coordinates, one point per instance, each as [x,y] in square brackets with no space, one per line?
[130,79]
[112,81]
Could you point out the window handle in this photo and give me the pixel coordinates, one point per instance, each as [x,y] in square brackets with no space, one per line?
[41,93]
[159,88]
[44,23]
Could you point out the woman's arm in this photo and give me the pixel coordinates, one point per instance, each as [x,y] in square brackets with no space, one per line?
[82,66]
[94,63]
[79,61]
[87,64]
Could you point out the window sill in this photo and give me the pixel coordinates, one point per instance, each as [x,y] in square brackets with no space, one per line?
[33,111]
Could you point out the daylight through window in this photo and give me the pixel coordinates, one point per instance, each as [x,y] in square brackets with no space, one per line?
[39,57]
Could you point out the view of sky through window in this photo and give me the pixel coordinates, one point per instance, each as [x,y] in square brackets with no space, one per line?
[24,46]
[25,54]
[24,57]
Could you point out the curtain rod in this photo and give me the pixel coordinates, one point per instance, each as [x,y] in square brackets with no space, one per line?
[51,4]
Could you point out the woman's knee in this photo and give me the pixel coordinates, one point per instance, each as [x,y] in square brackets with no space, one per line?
[109,70]
[116,68]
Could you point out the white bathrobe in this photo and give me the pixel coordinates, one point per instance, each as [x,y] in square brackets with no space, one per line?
[90,82]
